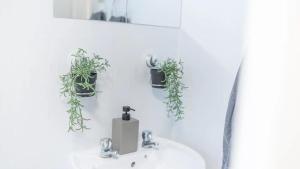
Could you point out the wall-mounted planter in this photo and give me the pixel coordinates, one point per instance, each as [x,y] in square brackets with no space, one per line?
[168,74]
[158,78]
[80,81]
[83,92]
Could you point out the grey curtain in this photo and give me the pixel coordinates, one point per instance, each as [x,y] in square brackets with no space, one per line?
[228,124]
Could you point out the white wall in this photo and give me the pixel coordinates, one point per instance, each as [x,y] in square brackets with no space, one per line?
[35,50]
[210,43]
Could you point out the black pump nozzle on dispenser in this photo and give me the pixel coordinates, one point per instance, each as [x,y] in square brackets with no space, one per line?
[126,115]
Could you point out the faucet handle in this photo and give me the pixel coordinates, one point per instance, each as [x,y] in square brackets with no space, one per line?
[147,135]
[106,144]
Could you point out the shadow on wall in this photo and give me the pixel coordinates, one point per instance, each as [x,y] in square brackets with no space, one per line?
[205,102]
[210,44]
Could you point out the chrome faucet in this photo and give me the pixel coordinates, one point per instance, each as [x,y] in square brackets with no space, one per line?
[106,149]
[147,140]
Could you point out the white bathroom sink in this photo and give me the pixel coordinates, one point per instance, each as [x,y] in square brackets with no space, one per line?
[170,155]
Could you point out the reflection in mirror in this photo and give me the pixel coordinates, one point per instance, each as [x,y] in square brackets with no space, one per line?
[146,12]
[155,12]
[109,10]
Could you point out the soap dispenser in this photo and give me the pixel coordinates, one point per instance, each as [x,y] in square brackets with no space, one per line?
[125,132]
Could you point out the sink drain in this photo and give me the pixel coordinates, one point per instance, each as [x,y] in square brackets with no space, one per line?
[132,164]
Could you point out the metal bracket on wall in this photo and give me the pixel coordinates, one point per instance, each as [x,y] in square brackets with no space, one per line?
[152,61]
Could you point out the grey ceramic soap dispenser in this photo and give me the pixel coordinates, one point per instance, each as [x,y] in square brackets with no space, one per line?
[125,132]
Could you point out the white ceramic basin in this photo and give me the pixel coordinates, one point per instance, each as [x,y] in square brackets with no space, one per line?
[170,155]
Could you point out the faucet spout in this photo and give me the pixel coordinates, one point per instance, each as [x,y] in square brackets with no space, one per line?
[150,144]
[106,149]
[110,154]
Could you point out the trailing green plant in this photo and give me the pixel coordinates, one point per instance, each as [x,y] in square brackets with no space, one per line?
[174,87]
[82,67]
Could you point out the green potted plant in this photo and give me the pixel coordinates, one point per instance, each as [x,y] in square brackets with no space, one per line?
[173,71]
[80,81]
[168,75]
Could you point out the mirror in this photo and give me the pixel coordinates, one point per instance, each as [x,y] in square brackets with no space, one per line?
[165,13]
